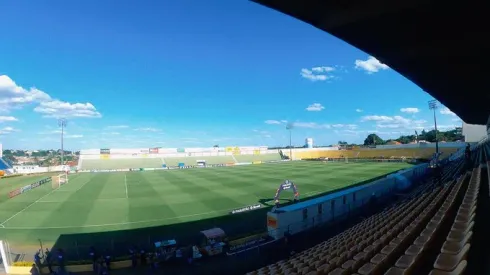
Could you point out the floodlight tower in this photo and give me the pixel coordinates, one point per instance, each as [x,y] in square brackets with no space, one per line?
[62,124]
[433,106]
[289,127]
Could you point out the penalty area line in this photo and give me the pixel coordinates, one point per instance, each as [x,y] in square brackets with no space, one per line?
[126,185]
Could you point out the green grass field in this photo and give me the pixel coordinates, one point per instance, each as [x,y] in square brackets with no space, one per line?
[116,203]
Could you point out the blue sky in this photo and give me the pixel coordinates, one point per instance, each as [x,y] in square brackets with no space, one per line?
[190,74]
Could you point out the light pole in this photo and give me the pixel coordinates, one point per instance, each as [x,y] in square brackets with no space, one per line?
[62,124]
[289,127]
[433,107]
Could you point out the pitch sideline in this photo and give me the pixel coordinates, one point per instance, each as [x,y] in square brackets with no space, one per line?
[128,223]
[2,225]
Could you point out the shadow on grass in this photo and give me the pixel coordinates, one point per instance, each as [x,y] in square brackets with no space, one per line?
[76,246]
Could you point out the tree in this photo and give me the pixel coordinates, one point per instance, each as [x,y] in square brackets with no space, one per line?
[342,142]
[216,146]
[373,139]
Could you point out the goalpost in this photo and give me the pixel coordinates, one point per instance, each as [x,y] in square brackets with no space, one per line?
[59,180]
[5,255]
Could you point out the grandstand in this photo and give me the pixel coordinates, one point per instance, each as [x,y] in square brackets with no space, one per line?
[132,163]
[411,153]
[428,231]
[142,158]
[113,159]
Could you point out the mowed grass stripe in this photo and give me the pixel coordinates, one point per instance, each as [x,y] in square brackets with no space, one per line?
[190,185]
[168,197]
[73,211]
[153,207]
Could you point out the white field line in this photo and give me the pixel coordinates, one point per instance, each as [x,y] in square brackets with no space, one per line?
[123,223]
[29,206]
[126,185]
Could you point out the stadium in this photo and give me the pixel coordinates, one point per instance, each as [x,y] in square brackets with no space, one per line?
[117,198]
[417,208]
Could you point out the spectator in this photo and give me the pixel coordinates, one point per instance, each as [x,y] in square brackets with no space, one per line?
[134,258]
[37,259]
[143,257]
[49,260]
[93,256]
[107,259]
[61,260]
[34,270]
[438,174]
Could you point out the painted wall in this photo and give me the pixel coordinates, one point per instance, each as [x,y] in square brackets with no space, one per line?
[337,205]
[474,132]
[33,169]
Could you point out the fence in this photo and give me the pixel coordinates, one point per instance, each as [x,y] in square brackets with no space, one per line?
[363,160]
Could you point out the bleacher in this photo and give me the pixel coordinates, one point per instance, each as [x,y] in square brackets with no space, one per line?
[174,161]
[4,165]
[425,153]
[429,232]
[254,158]
[108,164]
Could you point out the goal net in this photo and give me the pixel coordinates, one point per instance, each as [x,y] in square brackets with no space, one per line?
[59,180]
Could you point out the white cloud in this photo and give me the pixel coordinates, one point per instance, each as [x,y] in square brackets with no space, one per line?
[117,127]
[13,96]
[410,110]
[73,136]
[7,130]
[315,107]
[371,65]
[376,118]
[395,122]
[7,118]
[446,111]
[347,126]
[317,73]
[52,132]
[270,121]
[61,109]
[359,110]
[147,129]
[311,125]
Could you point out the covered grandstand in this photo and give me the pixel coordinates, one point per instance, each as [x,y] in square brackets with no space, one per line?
[140,158]
[436,229]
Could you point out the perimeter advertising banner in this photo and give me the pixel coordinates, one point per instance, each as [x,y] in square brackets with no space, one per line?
[153,150]
[105,151]
[26,188]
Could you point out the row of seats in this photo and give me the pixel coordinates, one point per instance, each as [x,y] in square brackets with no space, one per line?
[368,247]
[452,259]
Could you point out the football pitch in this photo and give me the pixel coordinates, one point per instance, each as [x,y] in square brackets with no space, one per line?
[121,201]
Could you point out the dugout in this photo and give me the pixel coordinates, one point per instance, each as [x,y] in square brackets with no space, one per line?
[213,241]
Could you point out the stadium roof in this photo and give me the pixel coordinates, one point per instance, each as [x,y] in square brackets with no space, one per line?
[441,46]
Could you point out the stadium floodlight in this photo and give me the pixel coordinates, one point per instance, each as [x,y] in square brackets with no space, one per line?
[62,124]
[433,106]
[289,127]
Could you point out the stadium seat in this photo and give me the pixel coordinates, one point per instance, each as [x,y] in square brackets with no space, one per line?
[399,234]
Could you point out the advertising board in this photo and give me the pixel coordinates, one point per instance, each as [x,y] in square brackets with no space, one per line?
[105,151]
[153,150]
[14,193]
[246,208]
